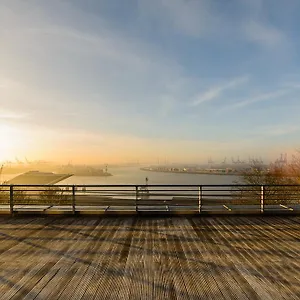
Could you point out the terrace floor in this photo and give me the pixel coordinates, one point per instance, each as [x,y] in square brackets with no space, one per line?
[232,257]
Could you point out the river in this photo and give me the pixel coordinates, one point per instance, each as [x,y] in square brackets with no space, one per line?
[133,175]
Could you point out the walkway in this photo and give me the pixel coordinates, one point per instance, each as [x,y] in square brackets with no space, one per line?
[150,258]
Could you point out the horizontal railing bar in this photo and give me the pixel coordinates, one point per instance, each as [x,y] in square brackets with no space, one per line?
[189,196]
[156,195]
[154,185]
[152,194]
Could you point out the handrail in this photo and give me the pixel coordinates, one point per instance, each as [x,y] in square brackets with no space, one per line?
[144,185]
[229,198]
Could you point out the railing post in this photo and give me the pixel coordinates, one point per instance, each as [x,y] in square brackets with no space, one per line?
[73,199]
[136,197]
[200,198]
[262,196]
[11,199]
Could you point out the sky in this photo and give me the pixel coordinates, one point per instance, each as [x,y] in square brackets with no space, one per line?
[96,81]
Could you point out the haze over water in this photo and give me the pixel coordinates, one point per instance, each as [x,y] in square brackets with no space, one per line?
[134,175]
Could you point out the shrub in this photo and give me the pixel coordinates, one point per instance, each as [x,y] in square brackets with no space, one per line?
[55,196]
[275,180]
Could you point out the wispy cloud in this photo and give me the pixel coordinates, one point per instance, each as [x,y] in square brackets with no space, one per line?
[294,85]
[264,34]
[11,115]
[119,68]
[207,19]
[130,71]
[8,84]
[106,44]
[217,91]
[277,130]
[192,18]
[262,97]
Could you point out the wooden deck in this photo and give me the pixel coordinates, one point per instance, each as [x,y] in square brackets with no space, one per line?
[150,258]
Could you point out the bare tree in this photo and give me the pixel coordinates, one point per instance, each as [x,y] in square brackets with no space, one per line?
[280,183]
[55,196]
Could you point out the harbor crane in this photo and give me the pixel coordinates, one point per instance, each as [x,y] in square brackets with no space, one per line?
[282,160]
[1,169]
[27,161]
[19,162]
[210,161]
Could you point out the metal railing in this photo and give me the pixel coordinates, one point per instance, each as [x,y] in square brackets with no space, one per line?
[150,198]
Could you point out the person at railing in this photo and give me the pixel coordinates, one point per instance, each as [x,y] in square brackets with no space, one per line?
[144,192]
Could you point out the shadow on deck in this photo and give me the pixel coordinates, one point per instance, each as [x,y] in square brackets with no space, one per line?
[150,257]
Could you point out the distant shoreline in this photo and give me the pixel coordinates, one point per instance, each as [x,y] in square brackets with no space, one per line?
[200,172]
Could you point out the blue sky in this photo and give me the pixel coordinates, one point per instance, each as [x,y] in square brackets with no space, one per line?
[126,80]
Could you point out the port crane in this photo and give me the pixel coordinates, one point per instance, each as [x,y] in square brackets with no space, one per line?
[210,161]
[18,161]
[1,169]
[27,161]
[282,160]
[236,161]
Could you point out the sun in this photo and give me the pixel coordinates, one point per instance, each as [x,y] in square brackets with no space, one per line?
[10,141]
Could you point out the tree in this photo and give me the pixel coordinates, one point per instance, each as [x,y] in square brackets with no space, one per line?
[280,182]
[55,196]
[4,194]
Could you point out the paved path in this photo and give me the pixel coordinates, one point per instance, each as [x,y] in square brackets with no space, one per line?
[150,258]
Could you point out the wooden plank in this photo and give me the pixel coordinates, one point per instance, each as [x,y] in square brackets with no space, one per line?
[150,258]
[27,260]
[258,262]
[102,261]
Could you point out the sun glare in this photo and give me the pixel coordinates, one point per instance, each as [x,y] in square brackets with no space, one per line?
[10,141]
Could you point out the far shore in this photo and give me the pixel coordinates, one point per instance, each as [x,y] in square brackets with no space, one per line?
[200,172]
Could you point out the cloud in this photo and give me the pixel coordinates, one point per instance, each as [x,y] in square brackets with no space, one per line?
[8,84]
[64,64]
[216,22]
[109,71]
[261,98]
[71,145]
[192,18]
[278,130]
[167,105]
[264,34]
[11,115]
[106,43]
[217,91]
[294,85]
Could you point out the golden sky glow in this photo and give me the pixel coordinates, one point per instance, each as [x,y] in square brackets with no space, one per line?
[11,141]
[175,81]
[78,146]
